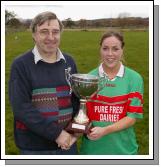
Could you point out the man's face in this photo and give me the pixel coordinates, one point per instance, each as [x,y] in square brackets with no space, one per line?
[47,37]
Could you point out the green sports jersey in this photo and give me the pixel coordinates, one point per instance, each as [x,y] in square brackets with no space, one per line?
[119,98]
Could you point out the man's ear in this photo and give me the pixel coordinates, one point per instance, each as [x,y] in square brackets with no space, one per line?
[33,36]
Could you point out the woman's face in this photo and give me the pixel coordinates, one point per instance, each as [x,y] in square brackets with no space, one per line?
[111,52]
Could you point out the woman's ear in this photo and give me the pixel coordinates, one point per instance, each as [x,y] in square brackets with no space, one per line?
[123,57]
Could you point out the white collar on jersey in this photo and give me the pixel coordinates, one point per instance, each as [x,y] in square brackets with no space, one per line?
[119,74]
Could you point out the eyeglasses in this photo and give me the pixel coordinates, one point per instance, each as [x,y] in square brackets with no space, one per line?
[45,33]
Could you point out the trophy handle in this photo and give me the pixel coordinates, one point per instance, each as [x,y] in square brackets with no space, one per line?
[68,78]
[102,83]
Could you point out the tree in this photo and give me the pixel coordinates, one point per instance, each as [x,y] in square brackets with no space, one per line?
[83,23]
[26,22]
[9,16]
[14,23]
[123,19]
[124,15]
[69,23]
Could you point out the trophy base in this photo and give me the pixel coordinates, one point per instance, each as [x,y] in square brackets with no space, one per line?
[74,127]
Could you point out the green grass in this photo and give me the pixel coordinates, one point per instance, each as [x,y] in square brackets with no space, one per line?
[84,47]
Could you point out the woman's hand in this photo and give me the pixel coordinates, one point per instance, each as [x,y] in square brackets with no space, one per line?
[96,133]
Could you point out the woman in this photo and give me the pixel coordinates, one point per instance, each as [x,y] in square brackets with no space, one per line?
[114,110]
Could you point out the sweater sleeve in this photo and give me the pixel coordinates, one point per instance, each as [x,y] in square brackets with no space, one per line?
[20,97]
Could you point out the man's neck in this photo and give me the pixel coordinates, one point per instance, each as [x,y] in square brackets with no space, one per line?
[48,57]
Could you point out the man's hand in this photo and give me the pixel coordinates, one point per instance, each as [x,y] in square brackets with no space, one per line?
[64,140]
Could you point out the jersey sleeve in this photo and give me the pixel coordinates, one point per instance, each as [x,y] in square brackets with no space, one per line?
[135,107]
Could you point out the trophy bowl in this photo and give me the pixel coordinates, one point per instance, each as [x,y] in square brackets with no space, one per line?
[83,85]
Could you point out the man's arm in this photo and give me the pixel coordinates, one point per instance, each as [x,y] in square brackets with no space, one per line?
[20,93]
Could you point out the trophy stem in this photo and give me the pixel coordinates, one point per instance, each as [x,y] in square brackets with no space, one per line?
[82,117]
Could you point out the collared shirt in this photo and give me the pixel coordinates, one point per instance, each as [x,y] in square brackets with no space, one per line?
[119,74]
[38,57]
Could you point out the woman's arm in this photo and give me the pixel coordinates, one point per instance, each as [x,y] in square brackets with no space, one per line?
[98,132]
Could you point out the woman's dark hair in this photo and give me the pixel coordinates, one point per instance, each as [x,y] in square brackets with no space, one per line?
[116,34]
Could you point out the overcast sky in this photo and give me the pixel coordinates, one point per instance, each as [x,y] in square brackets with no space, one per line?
[81,10]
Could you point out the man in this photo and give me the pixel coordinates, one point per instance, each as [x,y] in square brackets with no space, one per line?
[40,92]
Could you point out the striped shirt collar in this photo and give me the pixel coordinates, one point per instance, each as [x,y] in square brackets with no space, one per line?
[38,57]
[119,74]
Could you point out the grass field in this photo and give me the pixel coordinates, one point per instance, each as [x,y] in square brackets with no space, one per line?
[84,47]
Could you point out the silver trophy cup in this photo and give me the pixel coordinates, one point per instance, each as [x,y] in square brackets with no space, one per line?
[84,86]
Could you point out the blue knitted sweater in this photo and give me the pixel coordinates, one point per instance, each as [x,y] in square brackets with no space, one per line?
[40,99]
